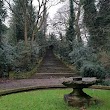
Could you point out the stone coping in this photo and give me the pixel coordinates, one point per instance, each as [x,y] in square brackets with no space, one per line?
[100,87]
[30,88]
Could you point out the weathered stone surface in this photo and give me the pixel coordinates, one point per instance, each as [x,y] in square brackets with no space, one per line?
[51,64]
[82,83]
[76,101]
[77,97]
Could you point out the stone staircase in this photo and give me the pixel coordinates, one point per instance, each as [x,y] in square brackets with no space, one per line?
[52,67]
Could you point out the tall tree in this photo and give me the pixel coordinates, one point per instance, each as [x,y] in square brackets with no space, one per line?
[25,14]
[77,21]
[90,14]
[23,18]
[97,22]
[41,12]
[70,34]
[44,25]
[2,17]
[103,22]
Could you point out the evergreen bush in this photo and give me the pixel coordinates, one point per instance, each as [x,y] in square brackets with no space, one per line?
[81,54]
[90,69]
[64,51]
[26,56]
[18,58]
[7,57]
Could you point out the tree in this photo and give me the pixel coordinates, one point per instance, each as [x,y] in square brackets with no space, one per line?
[2,17]
[44,24]
[103,22]
[43,6]
[77,20]
[27,20]
[60,21]
[97,23]
[70,33]
[90,14]
[23,18]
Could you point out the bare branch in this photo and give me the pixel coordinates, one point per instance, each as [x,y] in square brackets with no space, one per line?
[77,3]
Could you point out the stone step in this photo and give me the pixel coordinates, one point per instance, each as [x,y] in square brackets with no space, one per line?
[54,71]
[52,75]
[55,67]
[53,63]
[56,62]
[52,67]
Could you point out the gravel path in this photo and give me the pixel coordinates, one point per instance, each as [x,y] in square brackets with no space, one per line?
[13,84]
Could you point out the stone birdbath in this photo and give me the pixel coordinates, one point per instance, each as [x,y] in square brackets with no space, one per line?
[77,97]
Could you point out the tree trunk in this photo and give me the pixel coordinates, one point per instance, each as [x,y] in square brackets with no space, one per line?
[33,34]
[0,31]
[77,25]
[25,31]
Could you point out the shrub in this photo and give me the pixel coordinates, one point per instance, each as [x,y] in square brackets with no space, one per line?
[7,56]
[81,54]
[90,69]
[27,56]
[18,58]
[64,51]
[105,83]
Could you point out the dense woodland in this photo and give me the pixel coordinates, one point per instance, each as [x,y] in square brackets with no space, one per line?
[79,32]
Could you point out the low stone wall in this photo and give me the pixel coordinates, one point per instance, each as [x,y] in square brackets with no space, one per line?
[30,88]
[100,87]
[25,89]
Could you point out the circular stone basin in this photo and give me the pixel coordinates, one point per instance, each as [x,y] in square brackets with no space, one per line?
[79,82]
[77,97]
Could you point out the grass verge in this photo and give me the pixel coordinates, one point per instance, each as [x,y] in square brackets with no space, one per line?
[50,100]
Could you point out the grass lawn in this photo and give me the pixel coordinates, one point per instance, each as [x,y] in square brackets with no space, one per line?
[50,100]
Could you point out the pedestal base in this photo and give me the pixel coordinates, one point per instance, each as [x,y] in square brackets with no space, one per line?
[78,98]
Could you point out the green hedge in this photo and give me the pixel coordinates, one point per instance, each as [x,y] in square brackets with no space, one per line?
[24,75]
[90,69]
